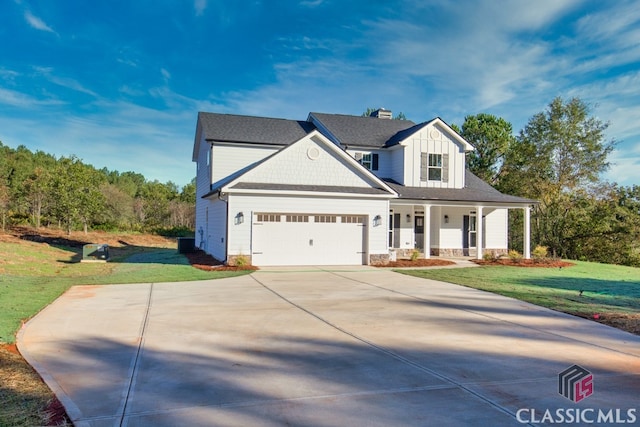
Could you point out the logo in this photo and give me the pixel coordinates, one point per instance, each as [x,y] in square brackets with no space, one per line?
[575,383]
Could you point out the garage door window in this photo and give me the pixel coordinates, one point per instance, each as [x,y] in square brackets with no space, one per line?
[325,218]
[352,219]
[297,218]
[268,217]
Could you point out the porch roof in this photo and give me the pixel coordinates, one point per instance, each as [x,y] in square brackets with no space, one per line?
[475,191]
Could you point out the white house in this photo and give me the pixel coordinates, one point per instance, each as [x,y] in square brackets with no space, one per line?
[338,189]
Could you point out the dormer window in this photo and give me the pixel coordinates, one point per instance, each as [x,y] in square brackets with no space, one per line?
[368,160]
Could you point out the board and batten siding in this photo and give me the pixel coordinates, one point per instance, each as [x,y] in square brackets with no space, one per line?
[240,234]
[432,139]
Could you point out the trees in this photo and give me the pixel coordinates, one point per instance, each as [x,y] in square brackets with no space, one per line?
[555,159]
[75,192]
[491,137]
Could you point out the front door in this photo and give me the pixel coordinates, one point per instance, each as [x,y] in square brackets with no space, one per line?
[419,232]
[469,233]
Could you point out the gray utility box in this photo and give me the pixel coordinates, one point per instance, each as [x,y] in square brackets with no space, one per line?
[94,252]
[186,244]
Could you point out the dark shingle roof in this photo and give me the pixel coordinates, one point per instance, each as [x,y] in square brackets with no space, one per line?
[257,130]
[314,188]
[475,190]
[366,131]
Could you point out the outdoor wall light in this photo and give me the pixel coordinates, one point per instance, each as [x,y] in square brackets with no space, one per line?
[377,220]
[446,219]
[408,217]
[239,219]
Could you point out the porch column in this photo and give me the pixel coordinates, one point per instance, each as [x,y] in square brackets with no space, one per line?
[527,233]
[427,231]
[479,232]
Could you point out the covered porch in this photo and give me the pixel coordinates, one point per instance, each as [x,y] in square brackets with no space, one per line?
[453,228]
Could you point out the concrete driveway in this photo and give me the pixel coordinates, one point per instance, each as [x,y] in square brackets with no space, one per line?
[347,347]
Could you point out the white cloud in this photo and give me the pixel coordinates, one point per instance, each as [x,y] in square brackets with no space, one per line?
[48,73]
[200,6]
[36,22]
[20,100]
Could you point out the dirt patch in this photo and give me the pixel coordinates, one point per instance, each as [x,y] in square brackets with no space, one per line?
[203,261]
[626,322]
[548,263]
[77,239]
[420,262]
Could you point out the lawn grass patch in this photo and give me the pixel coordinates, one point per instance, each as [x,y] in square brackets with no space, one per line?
[33,275]
[584,290]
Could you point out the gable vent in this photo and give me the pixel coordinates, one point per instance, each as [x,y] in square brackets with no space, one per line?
[381,113]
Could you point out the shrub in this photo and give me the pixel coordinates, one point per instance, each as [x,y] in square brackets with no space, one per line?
[415,255]
[489,256]
[540,252]
[241,261]
[514,255]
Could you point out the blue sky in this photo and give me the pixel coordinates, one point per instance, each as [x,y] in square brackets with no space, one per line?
[118,83]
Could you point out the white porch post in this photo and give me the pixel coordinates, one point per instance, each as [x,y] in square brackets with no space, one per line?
[527,233]
[479,232]
[427,231]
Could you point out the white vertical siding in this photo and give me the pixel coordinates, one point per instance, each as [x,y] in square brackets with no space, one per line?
[433,139]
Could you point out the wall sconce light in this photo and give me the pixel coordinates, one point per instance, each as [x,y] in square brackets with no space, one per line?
[377,220]
[446,219]
[239,218]
[408,217]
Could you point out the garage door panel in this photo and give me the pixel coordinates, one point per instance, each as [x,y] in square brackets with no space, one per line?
[308,243]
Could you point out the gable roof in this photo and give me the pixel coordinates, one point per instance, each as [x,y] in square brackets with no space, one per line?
[243,180]
[255,130]
[363,131]
[475,190]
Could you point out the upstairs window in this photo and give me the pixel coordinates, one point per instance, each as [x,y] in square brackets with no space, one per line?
[368,160]
[434,167]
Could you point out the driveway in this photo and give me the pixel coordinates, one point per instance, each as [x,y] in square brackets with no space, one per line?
[313,347]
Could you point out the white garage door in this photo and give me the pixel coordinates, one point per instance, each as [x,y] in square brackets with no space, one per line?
[308,239]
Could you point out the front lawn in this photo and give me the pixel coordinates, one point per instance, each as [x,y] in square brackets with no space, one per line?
[611,293]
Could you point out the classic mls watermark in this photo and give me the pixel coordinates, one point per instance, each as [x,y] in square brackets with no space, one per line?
[576,384]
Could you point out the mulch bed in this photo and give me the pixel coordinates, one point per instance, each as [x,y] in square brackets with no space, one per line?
[548,262]
[203,261]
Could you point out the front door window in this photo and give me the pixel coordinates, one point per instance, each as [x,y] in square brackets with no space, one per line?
[419,232]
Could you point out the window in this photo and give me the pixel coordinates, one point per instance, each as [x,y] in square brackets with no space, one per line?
[368,160]
[434,167]
[324,218]
[297,218]
[268,217]
[352,219]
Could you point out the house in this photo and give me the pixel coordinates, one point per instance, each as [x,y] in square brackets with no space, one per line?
[337,190]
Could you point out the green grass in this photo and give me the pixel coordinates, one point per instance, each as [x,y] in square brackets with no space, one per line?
[32,275]
[606,288]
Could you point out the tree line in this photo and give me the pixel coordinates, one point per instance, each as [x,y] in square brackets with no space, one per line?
[39,189]
[558,158]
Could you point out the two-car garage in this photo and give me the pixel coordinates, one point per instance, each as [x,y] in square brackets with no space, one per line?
[308,239]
